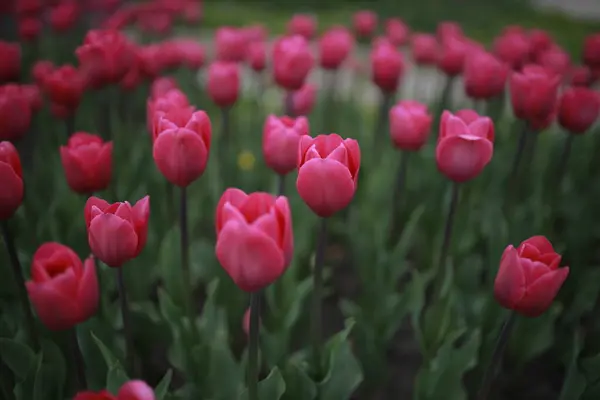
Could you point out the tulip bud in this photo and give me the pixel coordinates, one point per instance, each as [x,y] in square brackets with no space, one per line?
[63,16]
[62,289]
[65,86]
[29,28]
[254,237]
[529,277]
[15,112]
[465,145]
[512,47]
[533,93]
[11,180]
[446,29]
[181,150]
[410,124]
[160,86]
[580,75]
[116,232]
[223,83]
[578,109]
[424,48]
[484,75]
[396,31]
[591,51]
[452,55]
[281,136]
[387,66]
[292,61]
[539,41]
[365,23]
[327,172]
[230,44]
[87,161]
[10,67]
[135,390]
[257,56]
[303,99]
[335,46]
[303,25]
[41,70]
[555,60]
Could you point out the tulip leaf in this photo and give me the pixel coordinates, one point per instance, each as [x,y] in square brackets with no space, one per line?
[298,385]
[163,386]
[575,383]
[225,376]
[17,356]
[270,388]
[116,376]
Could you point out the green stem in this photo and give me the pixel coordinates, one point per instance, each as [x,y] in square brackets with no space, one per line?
[253,346]
[442,261]
[185,256]
[317,311]
[77,359]
[125,312]
[280,185]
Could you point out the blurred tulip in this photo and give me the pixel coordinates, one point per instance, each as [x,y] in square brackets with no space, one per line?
[396,31]
[230,44]
[387,66]
[87,161]
[539,41]
[365,23]
[11,180]
[533,93]
[174,102]
[556,60]
[335,45]
[465,145]
[292,62]
[161,86]
[101,395]
[15,112]
[484,75]
[131,390]
[30,7]
[223,83]
[190,51]
[327,172]
[303,25]
[580,75]
[116,232]
[255,240]
[410,123]
[30,28]
[424,48]
[591,51]
[10,67]
[452,55]
[62,289]
[257,56]
[181,151]
[512,47]
[63,17]
[33,95]
[65,86]
[281,136]
[447,29]
[256,33]
[192,13]
[529,277]
[303,99]
[41,70]
[578,109]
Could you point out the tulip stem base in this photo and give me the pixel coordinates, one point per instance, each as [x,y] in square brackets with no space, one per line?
[289,105]
[253,368]
[280,185]
[186,274]
[564,160]
[20,280]
[496,360]
[397,196]
[317,311]
[382,119]
[78,360]
[442,261]
[126,315]
[69,126]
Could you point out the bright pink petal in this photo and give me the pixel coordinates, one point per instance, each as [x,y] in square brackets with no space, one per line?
[112,239]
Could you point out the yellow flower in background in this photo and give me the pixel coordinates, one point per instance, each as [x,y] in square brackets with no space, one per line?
[246,160]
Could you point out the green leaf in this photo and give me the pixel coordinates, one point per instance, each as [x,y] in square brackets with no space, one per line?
[270,388]
[17,356]
[116,376]
[575,383]
[298,384]
[226,378]
[163,386]
[54,365]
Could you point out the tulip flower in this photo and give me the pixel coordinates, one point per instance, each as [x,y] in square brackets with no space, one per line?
[529,277]
[11,180]
[87,161]
[484,75]
[230,44]
[181,148]
[116,232]
[257,56]
[591,51]
[365,23]
[410,123]
[335,45]
[555,60]
[303,25]
[512,47]
[327,172]
[65,86]
[303,99]
[174,102]
[15,112]
[281,136]
[465,145]
[254,237]
[580,75]
[533,93]
[292,61]
[396,31]
[452,55]
[446,29]
[161,86]
[539,41]
[424,48]
[41,70]
[10,68]
[387,66]
[578,109]
[223,83]
[29,28]
[63,16]
[62,289]
[131,390]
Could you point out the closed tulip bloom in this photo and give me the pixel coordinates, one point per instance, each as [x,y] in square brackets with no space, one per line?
[131,390]
[387,66]
[172,101]
[181,151]
[580,75]
[529,277]
[512,47]
[446,29]
[452,55]
[34,96]
[365,23]
[556,60]
[62,289]
[335,46]
[223,83]
[303,25]
[484,75]
[578,109]
[162,85]
[10,68]
[116,232]
[539,41]
[303,99]
[230,44]
[63,16]
[533,93]
[292,61]
[327,172]
[410,123]
[65,86]
[281,136]
[87,161]
[465,145]
[29,28]
[424,48]
[11,180]
[255,240]
[396,31]
[41,70]
[257,56]
[591,51]
[15,112]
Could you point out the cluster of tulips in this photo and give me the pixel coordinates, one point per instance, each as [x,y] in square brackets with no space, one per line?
[255,240]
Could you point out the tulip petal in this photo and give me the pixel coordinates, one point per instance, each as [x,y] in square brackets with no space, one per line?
[135,390]
[461,159]
[56,310]
[542,292]
[541,243]
[509,285]
[93,201]
[112,239]
[232,195]
[251,258]
[11,193]
[87,292]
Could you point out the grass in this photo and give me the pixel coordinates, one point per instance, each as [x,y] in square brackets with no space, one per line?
[482,20]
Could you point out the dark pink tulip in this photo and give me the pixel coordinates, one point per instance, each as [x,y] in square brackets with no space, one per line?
[304,99]
[335,45]
[303,25]
[533,93]
[512,47]
[452,55]
[387,66]
[410,123]
[292,62]
[484,75]
[365,23]
[257,55]
[281,136]
[396,31]
[230,44]
[424,48]
[223,83]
